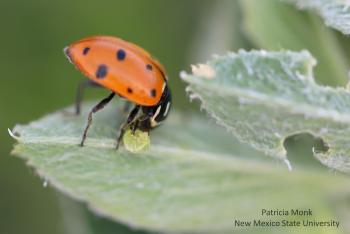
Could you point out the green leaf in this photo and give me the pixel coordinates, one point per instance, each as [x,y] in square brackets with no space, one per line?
[263,97]
[275,25]
[336,14]
[191,179]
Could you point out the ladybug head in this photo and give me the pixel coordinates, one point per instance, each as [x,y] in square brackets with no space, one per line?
[159,112]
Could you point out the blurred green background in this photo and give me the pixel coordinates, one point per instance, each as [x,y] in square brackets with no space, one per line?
[37,79]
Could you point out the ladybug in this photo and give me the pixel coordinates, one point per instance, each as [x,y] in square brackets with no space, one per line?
[126,70]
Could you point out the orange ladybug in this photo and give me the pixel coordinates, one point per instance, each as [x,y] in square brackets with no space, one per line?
[128,71]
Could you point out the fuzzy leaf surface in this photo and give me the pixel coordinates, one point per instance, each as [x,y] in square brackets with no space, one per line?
[264,97]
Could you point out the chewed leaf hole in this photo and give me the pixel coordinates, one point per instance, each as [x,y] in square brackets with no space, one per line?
[261,96]
[300,148]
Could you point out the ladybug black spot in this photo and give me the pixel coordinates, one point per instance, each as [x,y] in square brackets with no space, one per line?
[129,90]
[86,50]
[149,67]
[121,54]
[153,93]
[101,71]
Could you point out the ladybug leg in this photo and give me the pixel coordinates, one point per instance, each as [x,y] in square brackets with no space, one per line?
[96,108]
[135,125]
[126,107]
[138,122]
[130,119]
[80,92]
